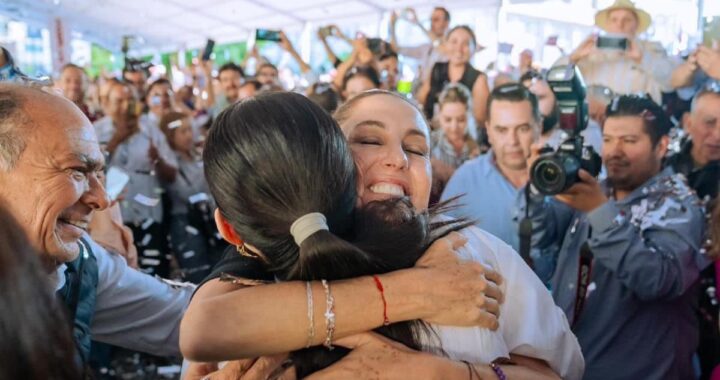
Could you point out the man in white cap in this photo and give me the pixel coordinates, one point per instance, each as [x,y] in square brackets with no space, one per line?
[641,67]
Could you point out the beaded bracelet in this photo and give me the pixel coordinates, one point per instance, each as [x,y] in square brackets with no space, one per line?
[329,316]
[498,371]
[311,314]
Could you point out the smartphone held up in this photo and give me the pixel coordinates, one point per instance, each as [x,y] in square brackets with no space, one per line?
[267,35]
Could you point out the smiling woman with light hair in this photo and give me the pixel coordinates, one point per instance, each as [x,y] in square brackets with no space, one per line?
[302,203]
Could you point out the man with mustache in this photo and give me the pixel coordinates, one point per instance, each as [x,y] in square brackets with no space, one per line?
[629,252]
[231,77]
[699,160]
[491,183]
[50,182]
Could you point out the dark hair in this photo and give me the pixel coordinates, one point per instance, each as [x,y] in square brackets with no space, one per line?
[388,55]
[655,121]
[72,66]
[159,82]
[324,95]
[266,64]
[35,339]
[514,92]
[274,158]
[252,82]
[122,83]
[362,71]
[231,66]
[467,29]
[444,11]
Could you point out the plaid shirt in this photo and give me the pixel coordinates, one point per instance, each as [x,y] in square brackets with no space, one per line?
[444,151]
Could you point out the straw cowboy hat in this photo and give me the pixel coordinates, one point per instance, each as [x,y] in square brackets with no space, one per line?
[644,19]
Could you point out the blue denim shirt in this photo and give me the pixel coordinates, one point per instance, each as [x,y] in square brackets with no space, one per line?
[490,200]
[646,259]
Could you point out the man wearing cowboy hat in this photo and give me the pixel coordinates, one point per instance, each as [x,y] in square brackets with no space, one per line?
[643,67]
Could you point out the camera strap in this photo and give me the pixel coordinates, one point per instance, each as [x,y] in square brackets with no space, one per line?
[525,230]
[583,280]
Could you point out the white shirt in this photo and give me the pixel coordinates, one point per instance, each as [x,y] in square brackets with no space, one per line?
[132,309]
[530,322]
[621,74]
[132,157]
[57,278]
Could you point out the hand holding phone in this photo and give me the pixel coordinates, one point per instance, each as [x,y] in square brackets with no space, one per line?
[325,31]
[207,52]
[267,35]
[634,51]
[584,50]
[612,43]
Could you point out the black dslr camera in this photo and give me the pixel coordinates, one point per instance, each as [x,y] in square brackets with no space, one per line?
[556,171]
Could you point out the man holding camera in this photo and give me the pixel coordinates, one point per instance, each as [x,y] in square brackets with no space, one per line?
[628,250]
[618,59]
[492,182]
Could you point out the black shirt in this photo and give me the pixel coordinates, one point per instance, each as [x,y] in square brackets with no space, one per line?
[440,77]
[238,265]
[704,180]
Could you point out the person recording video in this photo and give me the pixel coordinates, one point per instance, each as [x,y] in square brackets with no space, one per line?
[628,249]
[618,59]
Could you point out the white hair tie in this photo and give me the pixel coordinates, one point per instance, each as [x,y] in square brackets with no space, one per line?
[175,124]
[307,225]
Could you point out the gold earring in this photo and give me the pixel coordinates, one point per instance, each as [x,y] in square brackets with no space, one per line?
[243,251]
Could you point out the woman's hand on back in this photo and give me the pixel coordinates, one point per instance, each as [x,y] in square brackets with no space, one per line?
[443,251]
[244,369]
[374,356]
[457,292]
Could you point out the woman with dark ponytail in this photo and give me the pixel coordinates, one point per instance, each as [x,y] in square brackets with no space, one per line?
[291,200]
[297,211]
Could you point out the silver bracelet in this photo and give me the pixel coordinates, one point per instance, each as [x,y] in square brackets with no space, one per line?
[329,316]
[311,314]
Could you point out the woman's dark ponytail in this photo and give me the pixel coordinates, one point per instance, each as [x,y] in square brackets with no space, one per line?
[275,158]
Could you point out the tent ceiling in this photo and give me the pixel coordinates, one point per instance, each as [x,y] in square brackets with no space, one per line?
[177,23]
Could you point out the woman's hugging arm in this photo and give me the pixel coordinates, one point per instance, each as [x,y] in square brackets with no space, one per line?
[224,322]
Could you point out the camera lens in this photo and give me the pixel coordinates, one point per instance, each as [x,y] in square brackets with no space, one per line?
[548,176]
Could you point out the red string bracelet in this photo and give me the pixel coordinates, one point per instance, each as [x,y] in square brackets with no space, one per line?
[380,288]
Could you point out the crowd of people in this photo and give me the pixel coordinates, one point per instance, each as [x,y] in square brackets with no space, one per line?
[353,229]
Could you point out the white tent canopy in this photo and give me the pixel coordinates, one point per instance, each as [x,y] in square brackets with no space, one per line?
[172,24]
